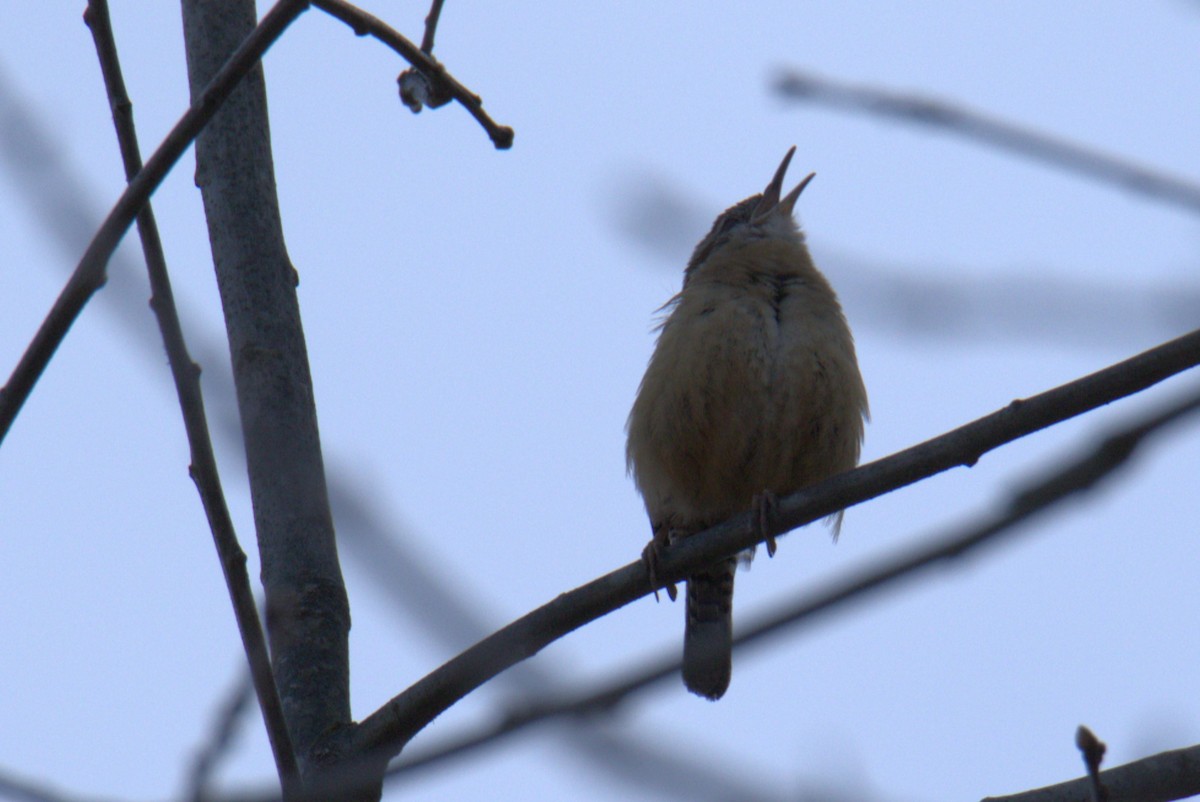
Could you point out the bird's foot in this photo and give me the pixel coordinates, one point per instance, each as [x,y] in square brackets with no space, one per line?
[652,557]
[764,508]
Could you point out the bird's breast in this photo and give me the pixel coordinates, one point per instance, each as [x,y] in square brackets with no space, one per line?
[750,388]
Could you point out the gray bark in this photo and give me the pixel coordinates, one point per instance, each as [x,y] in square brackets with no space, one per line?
[308,614]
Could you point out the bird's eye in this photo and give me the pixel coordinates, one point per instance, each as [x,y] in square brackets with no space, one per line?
[726,224]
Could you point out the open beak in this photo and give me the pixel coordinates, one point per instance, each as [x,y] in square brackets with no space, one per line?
[770,202]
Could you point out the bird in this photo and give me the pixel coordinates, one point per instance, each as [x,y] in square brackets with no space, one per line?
[753,391]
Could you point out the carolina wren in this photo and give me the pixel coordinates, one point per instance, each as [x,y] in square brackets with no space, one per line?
[753,391]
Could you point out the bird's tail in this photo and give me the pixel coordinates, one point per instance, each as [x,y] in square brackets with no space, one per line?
[708,637]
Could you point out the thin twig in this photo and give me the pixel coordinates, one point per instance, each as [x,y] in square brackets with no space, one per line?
[186,375]
[393,725]
[441,84]
[806,86]
[1078,475]
[89,274]
[431,23]
[1092,749]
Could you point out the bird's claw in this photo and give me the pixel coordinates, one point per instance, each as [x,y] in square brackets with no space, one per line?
[764,508]
[651,556]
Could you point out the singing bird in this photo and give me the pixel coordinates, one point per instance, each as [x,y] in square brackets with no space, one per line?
[753,392]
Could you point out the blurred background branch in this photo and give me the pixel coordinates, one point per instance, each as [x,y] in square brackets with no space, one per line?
[1027,304]
[807,87]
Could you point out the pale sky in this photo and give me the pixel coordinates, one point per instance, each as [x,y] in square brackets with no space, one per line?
[478,321]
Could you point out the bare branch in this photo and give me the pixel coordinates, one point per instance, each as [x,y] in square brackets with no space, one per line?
[1158,778]
[388,729]
[89,272]
[1155,184]
[431,23]
[1079,475]
[186,375]
[308,612]
[441,85]
[1093,750]
[912,300]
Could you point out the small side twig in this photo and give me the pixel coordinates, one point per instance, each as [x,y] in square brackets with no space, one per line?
[808,87]
[89,274]
[439,86]
[431,23]
[186,375]
[1092,749]
[416,91]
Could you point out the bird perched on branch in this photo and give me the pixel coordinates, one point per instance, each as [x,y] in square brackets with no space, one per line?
[753,392]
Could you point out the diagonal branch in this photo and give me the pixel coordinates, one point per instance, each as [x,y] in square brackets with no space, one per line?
[89,273]
[387,730]
[808,87]
[1077,476]
[186,375]
[441,86]
[431,23]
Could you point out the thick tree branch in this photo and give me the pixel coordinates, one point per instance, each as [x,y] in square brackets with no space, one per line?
[186,375]
[89,272]
[387,730]
[439,85]
[808,87]
[308,614]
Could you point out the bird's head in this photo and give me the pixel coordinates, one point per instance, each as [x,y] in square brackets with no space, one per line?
[760,217]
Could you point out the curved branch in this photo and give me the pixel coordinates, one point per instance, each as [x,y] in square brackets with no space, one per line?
[441,85]
[387,730]
[804,86]
[1077,476]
